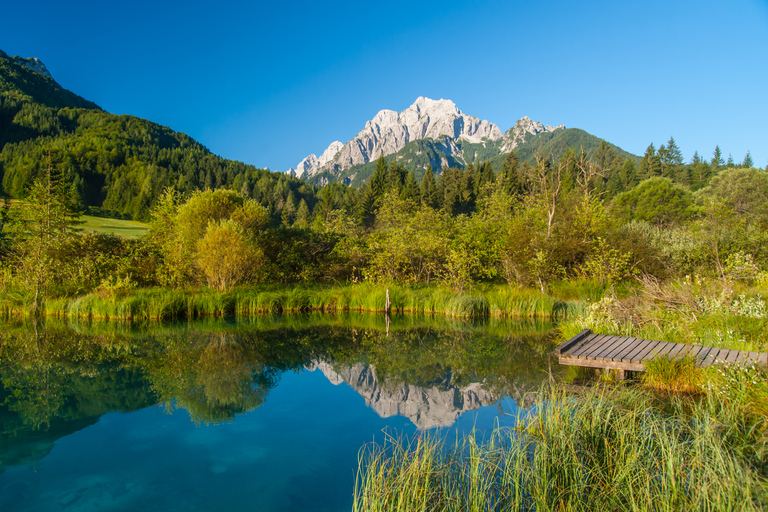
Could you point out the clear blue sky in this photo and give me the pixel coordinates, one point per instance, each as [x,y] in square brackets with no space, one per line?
[268,83]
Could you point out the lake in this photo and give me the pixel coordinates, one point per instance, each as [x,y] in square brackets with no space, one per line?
[269,414]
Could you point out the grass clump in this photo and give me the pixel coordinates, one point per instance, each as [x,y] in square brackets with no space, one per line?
[617,450]
[678,375]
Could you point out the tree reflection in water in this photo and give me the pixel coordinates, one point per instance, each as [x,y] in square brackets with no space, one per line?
[58,378]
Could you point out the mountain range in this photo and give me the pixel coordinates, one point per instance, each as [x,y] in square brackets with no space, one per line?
[436,133]
[121,164]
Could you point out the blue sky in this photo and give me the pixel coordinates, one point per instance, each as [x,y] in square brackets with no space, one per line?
[268,83]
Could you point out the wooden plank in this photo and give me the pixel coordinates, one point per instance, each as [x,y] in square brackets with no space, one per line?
[618,352]
[675,352]
[632,354]
[571,342]
[702,356]
[685,351]
[598,346]
[656,350]
[643,355]
[626,353]
[606,348]
[712,357]
[665,350]
[611,365]
[579,344]
[586,345]
[703,353]
[694,351]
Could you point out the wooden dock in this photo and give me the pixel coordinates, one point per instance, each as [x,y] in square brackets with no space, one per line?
[630,354]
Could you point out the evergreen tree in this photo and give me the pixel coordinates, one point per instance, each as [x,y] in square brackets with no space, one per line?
[628,174]
[729,164]
[410,191]
[302,215]
[674,155]
[662,156]
[429,191]
[696,158]
[717,159]
[512,181]
[650,166]
[747,161]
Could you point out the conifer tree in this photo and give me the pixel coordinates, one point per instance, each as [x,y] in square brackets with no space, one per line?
[410,189]
[674,155]
[650,166]
[512,181]
[717,159]
[429,191]
[628,174]
[747,161]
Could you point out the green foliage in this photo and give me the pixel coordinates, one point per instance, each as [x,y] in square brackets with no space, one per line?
[120,164]
[742,191]
[37,229]
[657,201]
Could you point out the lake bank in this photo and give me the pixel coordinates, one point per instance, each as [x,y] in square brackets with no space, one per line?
[244,302]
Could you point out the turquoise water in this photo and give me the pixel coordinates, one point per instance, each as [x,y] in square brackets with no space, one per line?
[295,447]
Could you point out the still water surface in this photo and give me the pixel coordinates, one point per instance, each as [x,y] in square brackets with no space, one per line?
[267,415]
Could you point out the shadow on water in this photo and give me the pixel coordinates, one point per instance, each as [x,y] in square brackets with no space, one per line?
[61,377]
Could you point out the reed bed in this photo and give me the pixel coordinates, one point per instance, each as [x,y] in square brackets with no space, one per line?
[169,304]
[618,451]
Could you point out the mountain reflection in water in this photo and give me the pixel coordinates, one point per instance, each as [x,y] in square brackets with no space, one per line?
[57,379]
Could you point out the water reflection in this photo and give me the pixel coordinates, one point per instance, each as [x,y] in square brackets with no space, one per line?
[426,407]
[59,378]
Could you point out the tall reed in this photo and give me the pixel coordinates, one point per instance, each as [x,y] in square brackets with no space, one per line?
[166,304]
[598,452]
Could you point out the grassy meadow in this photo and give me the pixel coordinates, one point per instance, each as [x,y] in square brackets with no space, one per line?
[130,229]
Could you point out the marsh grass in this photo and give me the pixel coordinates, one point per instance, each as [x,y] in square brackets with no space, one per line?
[679,375]
[601,451]
[245,302]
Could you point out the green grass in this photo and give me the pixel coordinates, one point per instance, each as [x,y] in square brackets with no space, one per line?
[245,302]
[123,228]
[622,450]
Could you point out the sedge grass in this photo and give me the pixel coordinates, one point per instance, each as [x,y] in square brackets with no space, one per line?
[676,375]
[593,453]
[166,304]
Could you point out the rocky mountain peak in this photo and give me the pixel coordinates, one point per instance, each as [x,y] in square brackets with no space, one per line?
[32,63]
[516,135]
[389,131]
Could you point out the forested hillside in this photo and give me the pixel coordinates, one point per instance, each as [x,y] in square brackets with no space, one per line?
[118,164]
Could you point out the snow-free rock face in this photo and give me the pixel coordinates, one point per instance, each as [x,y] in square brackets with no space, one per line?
[389,131]
[32,63]
[439,120]
[516,135]
[425,407]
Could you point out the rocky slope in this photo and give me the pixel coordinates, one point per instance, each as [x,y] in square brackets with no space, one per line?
[32,63]
[435,120]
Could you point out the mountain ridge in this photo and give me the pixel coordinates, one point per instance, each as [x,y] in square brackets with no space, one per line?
[441,121]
